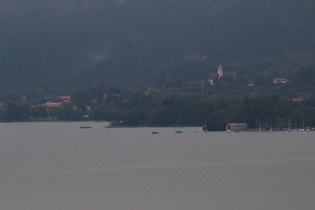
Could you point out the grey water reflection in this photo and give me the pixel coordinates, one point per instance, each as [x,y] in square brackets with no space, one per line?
[49,166]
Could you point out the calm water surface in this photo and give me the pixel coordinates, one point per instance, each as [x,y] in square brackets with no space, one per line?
[58,166]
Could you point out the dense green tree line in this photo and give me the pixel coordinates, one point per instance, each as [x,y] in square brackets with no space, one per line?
[137,108]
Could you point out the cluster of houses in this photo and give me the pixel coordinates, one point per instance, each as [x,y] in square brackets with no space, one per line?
[62,99]
[212,80]
[213,77]
[294,97]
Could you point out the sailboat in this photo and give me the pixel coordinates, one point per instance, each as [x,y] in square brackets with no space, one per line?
[204,127]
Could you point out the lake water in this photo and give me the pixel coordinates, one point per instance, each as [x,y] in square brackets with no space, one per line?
[58,166]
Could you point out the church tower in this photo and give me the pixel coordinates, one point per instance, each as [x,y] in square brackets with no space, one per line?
[220,71]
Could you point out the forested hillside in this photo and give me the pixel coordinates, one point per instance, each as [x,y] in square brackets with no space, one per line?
[55,45]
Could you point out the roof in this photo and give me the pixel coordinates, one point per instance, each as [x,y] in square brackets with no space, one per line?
[296,99]
[111,95]
[52,105]
[212,76]
[281,79]
[64,97]
[237,124]
[233,73]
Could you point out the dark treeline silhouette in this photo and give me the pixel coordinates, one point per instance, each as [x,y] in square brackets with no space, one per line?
[137,108]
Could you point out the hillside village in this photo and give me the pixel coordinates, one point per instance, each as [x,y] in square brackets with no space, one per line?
[187,103]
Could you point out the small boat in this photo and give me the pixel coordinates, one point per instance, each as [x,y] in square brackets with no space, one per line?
[155,132]
[178,131]
[84,127]
[177,127]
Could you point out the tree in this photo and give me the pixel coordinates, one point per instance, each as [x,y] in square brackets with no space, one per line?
[305,76]
[134,116]
[82,98]
[263,79]
[216,121]
[100,112]
[39,112]
[69,111]
[19,111]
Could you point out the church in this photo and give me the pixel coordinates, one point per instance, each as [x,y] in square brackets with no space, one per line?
[220,73]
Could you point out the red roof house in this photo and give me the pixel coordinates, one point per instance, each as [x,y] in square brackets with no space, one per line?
[52,105]
[280,80]
[65,98]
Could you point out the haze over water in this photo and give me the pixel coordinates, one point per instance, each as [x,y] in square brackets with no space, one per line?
[55,165]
